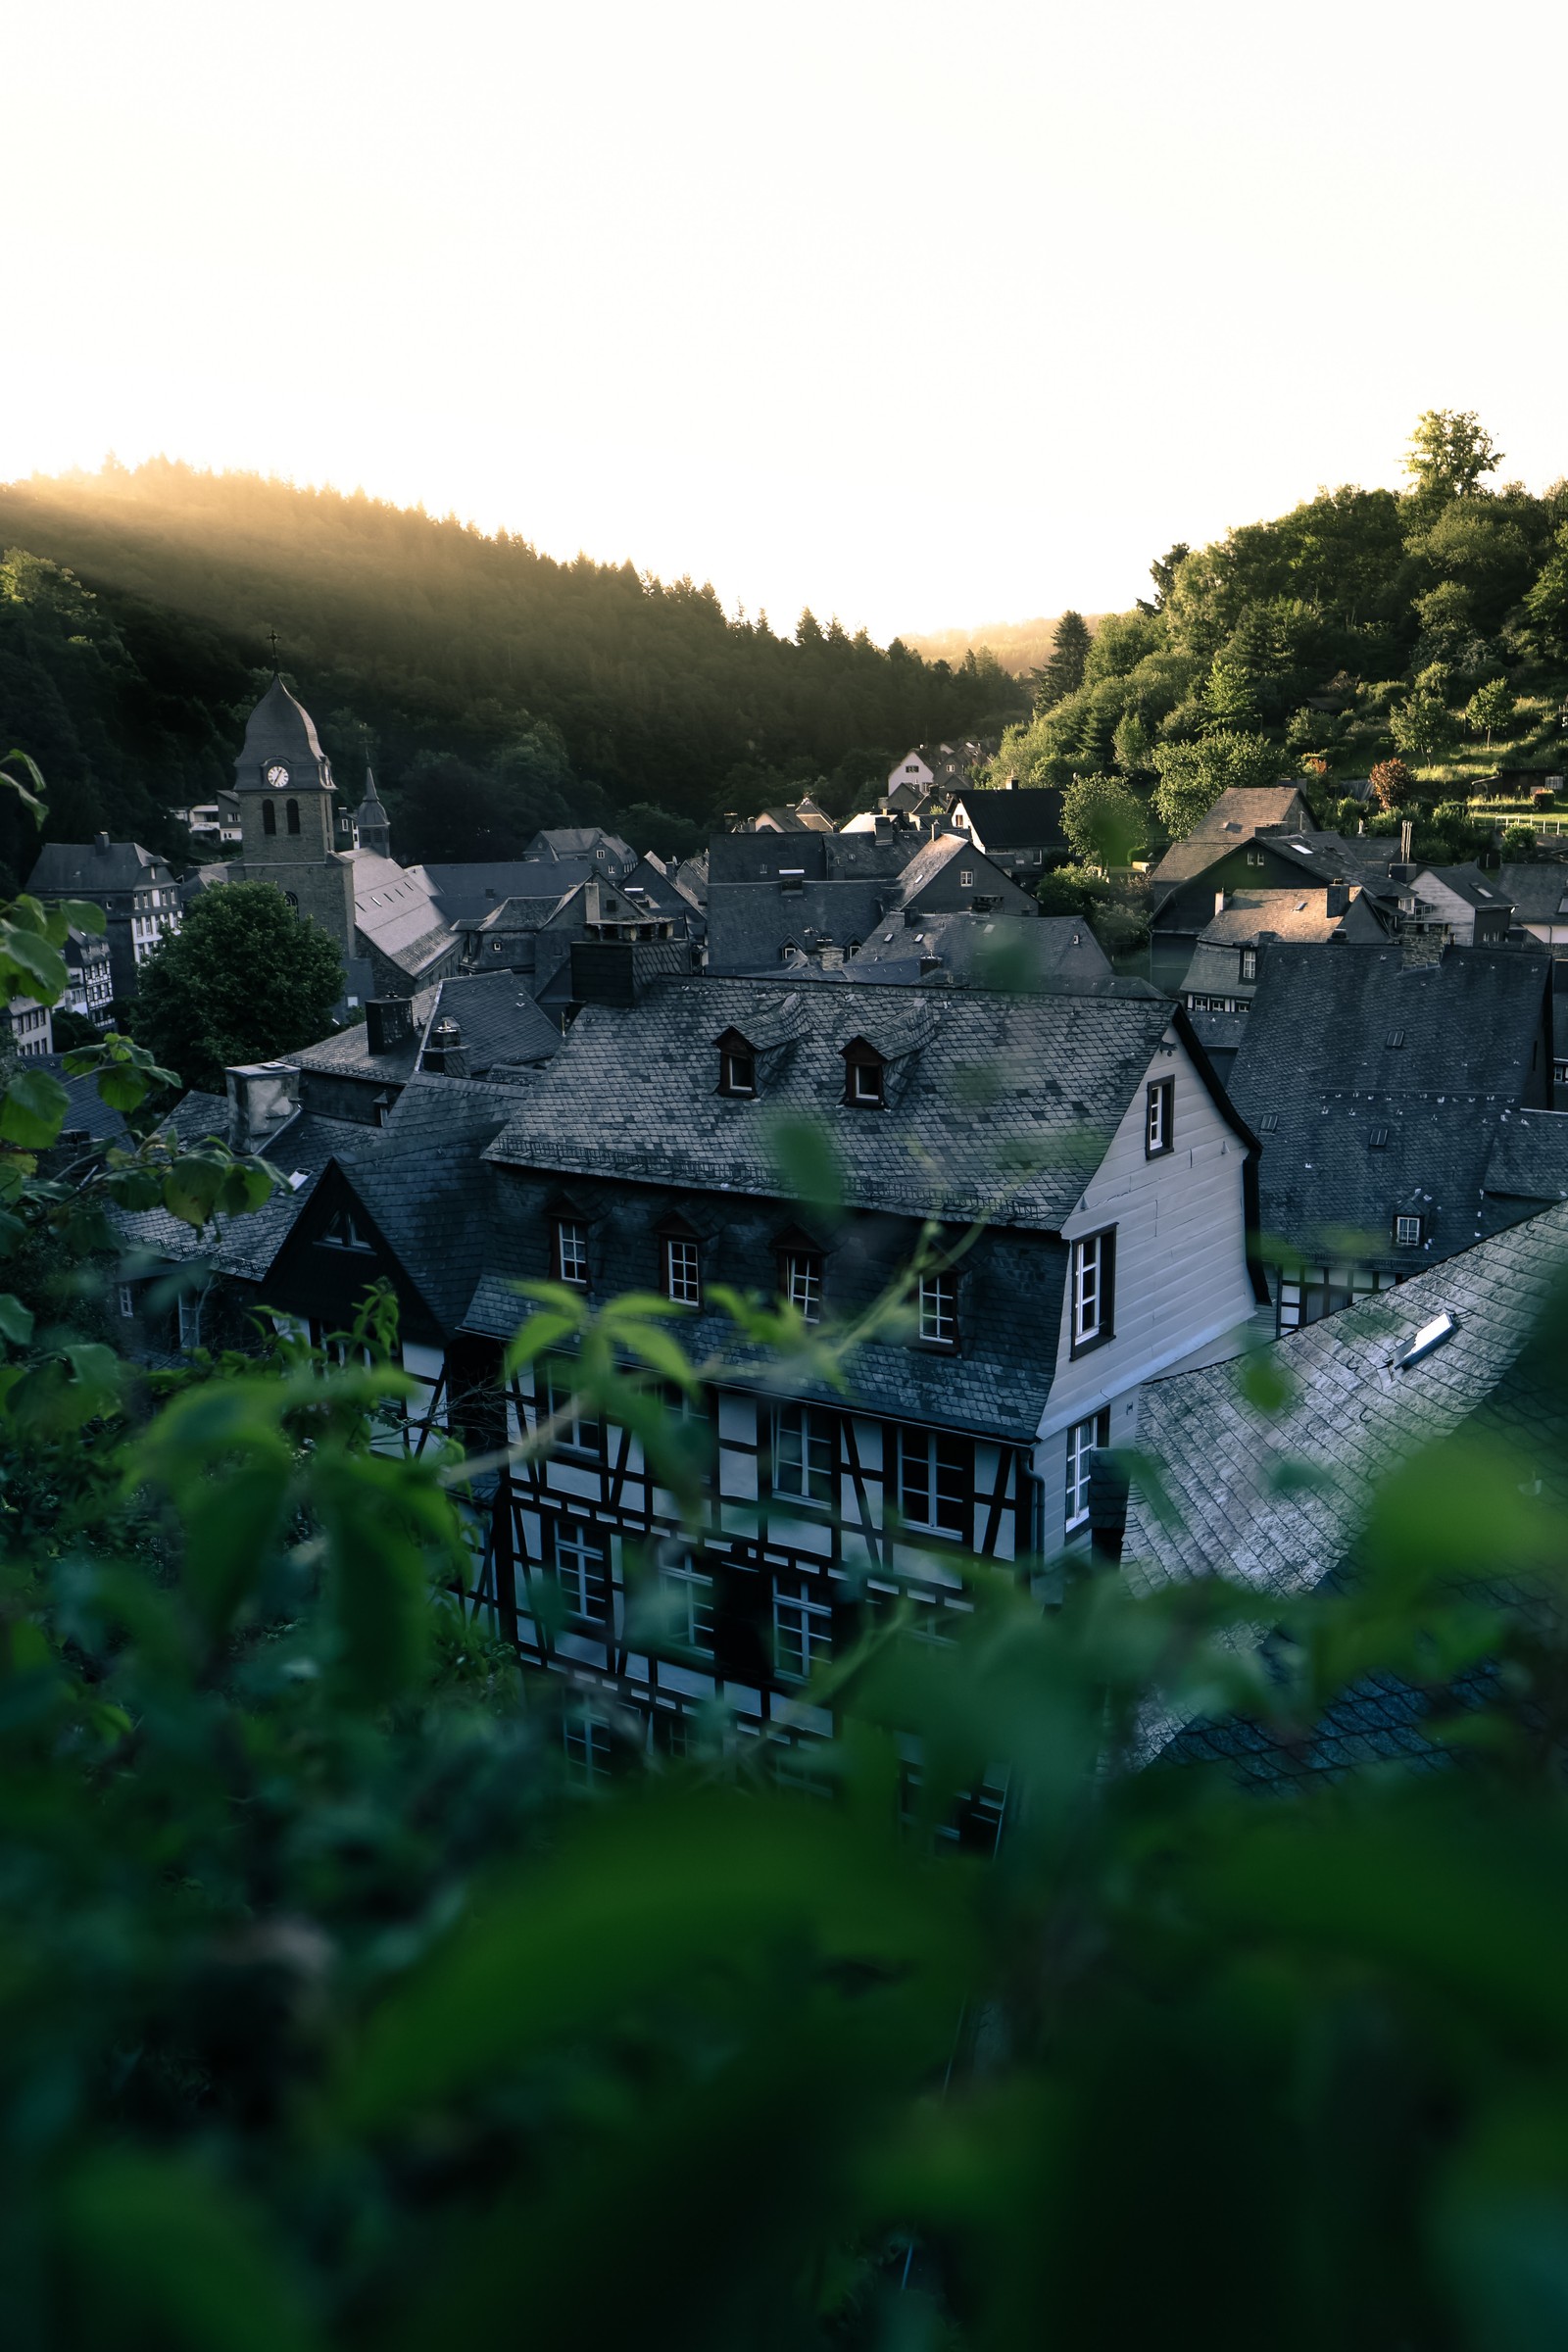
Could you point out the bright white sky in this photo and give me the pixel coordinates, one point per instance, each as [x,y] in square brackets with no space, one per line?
[916,315]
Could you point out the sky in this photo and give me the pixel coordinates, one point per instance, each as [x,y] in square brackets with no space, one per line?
[919,315]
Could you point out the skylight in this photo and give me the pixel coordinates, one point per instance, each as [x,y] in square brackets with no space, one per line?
[1430,1335]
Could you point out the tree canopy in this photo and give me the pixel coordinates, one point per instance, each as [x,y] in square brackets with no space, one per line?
[245,979]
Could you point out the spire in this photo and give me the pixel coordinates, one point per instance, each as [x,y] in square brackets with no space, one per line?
[374,824]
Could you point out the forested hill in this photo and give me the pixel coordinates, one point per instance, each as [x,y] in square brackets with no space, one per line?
[495,688]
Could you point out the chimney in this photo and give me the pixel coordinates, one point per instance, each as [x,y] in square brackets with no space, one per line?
[100,840]
[1407,839]
[1337,899]
[444,1053]
[263,1097]
[388,1023]
[1219,902]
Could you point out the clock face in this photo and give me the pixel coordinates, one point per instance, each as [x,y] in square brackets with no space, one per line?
[278,775]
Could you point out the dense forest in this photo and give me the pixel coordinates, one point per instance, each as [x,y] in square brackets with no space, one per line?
[495,689]
[1421,635]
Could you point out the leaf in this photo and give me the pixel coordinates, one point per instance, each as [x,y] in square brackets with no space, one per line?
[533,1338]
[157,2243]
[377,1573]
[44,965]
[83,915]
[32,799]
[34,1109]
[802,1151]
[16,1320]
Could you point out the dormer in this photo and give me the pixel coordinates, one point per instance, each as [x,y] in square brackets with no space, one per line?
[878,1067]
[737,1064]
[749,1057]
[865,1075]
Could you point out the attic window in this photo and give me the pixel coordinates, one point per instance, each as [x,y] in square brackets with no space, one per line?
[1268,1123]
[864,1076]
[342,1233]
[1407,1229]
[737,1065]
[1248,964]
[1380,1139]
[792,877]
[1396,1037]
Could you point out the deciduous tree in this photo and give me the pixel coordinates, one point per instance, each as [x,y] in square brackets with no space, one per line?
[1192,776]
[245,980]
[1105,820]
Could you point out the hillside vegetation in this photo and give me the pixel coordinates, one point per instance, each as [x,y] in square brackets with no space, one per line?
[1021,646]
[1421,633]
[495,688]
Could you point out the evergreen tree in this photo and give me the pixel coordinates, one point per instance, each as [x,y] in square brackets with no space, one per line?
[1063,674]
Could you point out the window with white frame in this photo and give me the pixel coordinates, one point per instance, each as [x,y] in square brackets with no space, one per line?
[686,1595]
[1094,1259]
[1082,1440]
[1407,1229]
[935,1479]
[127,1305]
[805,1453]
[586,1742]
[939,1308]
[683,1274]
[1309,1292]
[966,877]
[737,1070]
[1160,1120]
[190,1319]
[582,1572]
[580,1430]
[571,1251]
[803,1628]
[1248,964]
[803,1283]
[343,1232]
[863,1081]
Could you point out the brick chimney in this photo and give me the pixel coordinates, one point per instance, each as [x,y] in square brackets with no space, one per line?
[1337,899]
[263,1097]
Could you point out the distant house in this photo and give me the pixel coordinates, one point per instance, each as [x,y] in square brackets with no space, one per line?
[1186,886]
[1377,1090]
[31,1027]
[1222,976]
[815,898]
[1538,892]
[943,765]
[135,889]
[806,816]
[1020,828]
[91,980]
[983,950]
[590,845]
[1456,906]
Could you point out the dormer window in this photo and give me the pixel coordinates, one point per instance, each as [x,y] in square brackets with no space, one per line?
[801,1282]
[1248,964]
[737,1065]
[865,1075]
[571,1253]
[1408,1230]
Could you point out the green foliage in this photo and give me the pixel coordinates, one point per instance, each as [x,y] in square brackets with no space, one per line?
[1104,822]
[1192,776]
[1449,451]
[1421,726]
[1490,709]
[245,979]
[1064,673]
[1393,783]
[1519,842]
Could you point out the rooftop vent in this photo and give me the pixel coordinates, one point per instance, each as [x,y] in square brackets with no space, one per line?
[1430,1335]
[1268,1123]
[1396,1037]
[1380,1139]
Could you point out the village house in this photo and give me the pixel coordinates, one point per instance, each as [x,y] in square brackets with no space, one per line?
[810,898]
[135,889]
[1019,828]
[1222,976]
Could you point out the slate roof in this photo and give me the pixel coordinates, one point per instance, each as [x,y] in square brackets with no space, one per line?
[280,728]
[1318,857]
[1012,1098]
[1285,913]
[89,1115]
[1026,818]
[1529,1159]
[1467,882]
[499,1020]
[1243,809]
[465,892]
[348,1055]
[72,869]
[1352,1417]
[246,1245]
[397,912]
[988,951]
[578,842]
[427,1189]
[1538,891]
[1317,1079]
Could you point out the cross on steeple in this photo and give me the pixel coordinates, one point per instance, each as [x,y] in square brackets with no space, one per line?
[271,639]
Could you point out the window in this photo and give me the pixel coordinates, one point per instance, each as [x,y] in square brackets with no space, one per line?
[682,1272]
[1268,1124]
[269,817]
[582,1572]
[1255,858]
[1159,1119]
[571,1251]
[1309,1292]
[863,1076]
[1407,1231]
[966,877]
[1395,1038]
[1082,1441]
[787,952]
[342,1232]
[1380,1139]
[938,1309]
[586,1742]
[934,1480]
[1248,964]
[291,812]
[803,1283]
[127,1305]
[803,1629]
[1093,1262]
[579,1430]
[805,1453]
[190,1319]
[737,1070]
[688,1598]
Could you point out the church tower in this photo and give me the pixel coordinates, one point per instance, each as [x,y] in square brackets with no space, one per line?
[296,832]
[373,825]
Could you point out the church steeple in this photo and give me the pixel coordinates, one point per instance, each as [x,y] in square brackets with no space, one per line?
[375,827]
